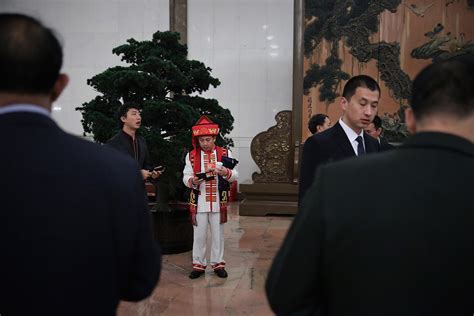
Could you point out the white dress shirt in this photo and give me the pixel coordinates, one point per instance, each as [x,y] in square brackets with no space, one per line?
[351,135]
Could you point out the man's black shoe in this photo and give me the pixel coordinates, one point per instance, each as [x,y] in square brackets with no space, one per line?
[195,274]
[221,273]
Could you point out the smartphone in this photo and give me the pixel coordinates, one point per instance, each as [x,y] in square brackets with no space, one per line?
[205,176]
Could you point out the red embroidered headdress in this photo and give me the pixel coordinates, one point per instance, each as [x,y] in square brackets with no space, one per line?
[204,127]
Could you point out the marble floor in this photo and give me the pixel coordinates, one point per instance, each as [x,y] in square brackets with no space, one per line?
[250,245]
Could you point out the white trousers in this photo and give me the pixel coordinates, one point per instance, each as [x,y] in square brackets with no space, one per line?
[204,221]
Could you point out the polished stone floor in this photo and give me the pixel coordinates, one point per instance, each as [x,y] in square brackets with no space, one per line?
[250,245]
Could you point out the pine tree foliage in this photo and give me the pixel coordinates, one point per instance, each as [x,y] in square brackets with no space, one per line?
[159,79]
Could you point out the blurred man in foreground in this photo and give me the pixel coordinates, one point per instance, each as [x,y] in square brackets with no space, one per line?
[75,232]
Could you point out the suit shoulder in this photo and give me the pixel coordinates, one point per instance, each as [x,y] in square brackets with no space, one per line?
[114,139]
[371,139]
[100,156]
[384,145]
[319,137]
[330,133]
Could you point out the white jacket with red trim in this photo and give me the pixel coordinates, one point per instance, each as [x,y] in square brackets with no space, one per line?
[188,174]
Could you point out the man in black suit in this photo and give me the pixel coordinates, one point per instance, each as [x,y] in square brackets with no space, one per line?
[375,130]
[128,142]
[346,138]
[405,246]
[75,232]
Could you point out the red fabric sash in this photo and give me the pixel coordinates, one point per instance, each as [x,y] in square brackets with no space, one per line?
[195,159]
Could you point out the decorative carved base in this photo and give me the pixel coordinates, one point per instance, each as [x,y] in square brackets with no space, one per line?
[273,190]
[272,152]
[263,199]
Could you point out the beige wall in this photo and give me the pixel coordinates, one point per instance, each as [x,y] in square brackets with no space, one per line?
[89,30]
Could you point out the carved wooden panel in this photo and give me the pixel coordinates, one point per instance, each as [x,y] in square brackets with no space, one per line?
[271,151]
[390,40]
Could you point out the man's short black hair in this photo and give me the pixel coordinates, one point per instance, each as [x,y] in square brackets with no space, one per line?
[377,122]
[359,81]
[315,121]
[30,55]
[445,87]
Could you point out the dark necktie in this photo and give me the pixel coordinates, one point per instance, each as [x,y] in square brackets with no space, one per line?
[360,146]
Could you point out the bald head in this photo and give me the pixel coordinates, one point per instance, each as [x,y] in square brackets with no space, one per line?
[30,55]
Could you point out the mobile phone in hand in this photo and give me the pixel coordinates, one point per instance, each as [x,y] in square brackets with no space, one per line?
[205,176]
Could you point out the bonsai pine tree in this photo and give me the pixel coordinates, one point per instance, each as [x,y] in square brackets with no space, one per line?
[165,85]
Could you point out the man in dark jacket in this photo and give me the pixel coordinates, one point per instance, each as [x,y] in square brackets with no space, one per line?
[128,142]
[404,246]
[346,138]
[75,231]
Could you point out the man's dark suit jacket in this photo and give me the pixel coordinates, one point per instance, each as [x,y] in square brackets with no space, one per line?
[75,231]
[384,145]
[396,238]
[328,146]
[121,142]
